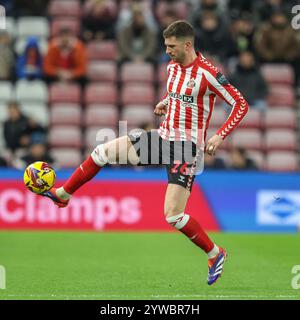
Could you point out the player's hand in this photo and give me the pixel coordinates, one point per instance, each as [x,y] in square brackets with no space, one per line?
[212,144]
[160,109]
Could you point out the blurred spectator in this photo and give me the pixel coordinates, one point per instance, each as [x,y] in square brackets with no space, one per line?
[30,8]
[276,41]
[242,33]
[240,161]
[166,20]
[264,9]
[237,7]
[66,58]
[37,152]
[248,78]
[3,162]
[30,63]
[6,56]
[126,14]
[201,6]
[212,35]
[99,17]
[137,42]
[15,128]
[213,162]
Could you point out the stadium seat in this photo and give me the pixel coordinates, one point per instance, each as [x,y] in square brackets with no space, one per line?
[3,113]
[36,111]
[102,93]
[64,8]
[253,119]
[101,115]
[280,118]
[162,74]
[250,139]
[137,72]
[6,91]
[72,24]
[21,43]
[97,135]
[101,50]
[137,94]
[33,26]
[65,115]
[278,73]
[31,91]
[282,161]
[65,92]
[102,71]
[11,27]
[135,115]
[218,117]
[281,95]
[66,157]
[65,136]
[280,139]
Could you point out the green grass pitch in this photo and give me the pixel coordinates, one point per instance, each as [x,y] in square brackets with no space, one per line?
[98,266]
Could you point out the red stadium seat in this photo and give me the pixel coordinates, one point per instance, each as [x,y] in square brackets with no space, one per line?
[65,136]
[64,8]
[162,74]
[102,50]
[278,73]
[65,115]
[97,135]
[253,119]
[100,93]
[247,138]
[72,24]
[281,95]
[66,157]
[282,161]
[280,139]
[135,115]
[137,94]
[280,118]
[102,71]
[101,115]
[65,92]
[137,72]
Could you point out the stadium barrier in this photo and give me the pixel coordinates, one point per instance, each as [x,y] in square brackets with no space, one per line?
[133,200]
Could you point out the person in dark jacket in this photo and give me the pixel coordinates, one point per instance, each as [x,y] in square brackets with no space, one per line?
[30,63]
[240,161]
[248,78]
[15,128]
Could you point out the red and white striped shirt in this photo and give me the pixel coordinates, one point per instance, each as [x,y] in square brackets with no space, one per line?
[190,99]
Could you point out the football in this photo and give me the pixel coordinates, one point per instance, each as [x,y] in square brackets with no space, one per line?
[39,177]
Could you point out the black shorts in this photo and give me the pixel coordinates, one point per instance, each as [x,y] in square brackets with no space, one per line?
[181,158]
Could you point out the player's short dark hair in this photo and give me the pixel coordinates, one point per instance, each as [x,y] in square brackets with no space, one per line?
[179,29]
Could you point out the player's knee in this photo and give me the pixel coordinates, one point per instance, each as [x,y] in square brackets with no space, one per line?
[99,155]
[172,210]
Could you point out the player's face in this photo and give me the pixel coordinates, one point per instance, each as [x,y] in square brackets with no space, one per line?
[175,49]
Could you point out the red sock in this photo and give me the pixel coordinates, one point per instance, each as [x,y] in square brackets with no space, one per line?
[85,172]
[192,229]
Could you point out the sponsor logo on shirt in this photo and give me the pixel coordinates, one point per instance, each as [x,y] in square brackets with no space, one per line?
[182,97]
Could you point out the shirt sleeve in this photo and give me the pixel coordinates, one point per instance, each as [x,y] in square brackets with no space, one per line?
[218,84]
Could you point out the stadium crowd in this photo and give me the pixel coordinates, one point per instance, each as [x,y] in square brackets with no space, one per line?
[69,68]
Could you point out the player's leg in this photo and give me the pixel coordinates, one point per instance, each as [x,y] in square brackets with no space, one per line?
[175,202]
[178,192]
[110,152]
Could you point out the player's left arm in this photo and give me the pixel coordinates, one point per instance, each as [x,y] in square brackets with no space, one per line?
[218,84]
